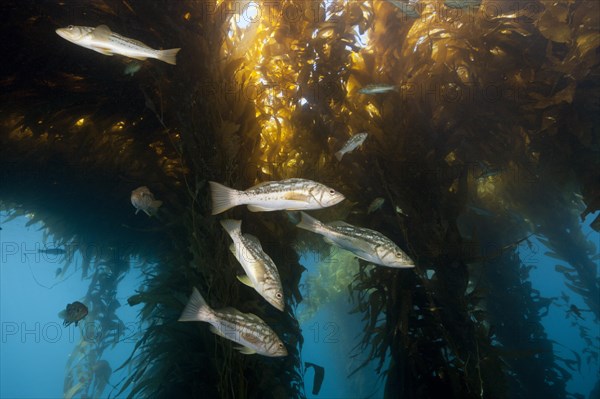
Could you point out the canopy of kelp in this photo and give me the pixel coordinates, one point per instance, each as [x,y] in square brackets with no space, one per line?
[490,135]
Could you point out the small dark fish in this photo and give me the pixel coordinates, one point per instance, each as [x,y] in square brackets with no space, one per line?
[575,310]
[132,68]
[52,251]
[375,205]
[73,313]
[135,299]
[319,376]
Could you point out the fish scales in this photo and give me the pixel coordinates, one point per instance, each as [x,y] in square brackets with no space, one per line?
[246,329]
[366,244]
[257,252]
[289,194]
[362,233]
[131,43]
[239,327]
[261,271]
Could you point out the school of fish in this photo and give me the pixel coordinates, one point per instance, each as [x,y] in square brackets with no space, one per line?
[294,194]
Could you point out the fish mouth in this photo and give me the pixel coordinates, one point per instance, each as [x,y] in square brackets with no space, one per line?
[404,265]
[62,32]
[279,306]
[334,200]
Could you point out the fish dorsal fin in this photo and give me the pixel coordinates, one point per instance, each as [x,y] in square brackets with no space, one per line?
[245,350]
[339,223]
[101,32]
[253,239]
[245,280]
[254,317]
[232,311]
[258,185]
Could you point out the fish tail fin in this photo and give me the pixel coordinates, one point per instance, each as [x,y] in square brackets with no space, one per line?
[308,222]
[339,155]
[232,227]
[223,197]
[196,309]
[168,56]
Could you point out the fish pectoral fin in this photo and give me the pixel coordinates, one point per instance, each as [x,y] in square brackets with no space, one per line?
[256,208]
[232,249]
[295,196]
[255,318]
[102,50]
[245,280]
[329,241]
[245,350]
[138,58]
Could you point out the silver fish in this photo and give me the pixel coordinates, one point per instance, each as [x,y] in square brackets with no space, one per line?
[261,272]
[289,194]
[408,7]
[103,40]
[366,244]
[143,200]
[462,3]
[375,205]
[377,89]
[246,329]
[353,143]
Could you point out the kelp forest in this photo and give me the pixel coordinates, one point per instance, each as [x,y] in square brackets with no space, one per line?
[483,129]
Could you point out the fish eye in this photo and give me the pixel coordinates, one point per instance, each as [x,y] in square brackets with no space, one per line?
[332,191]
[278,295]
[280,345]
[70,27]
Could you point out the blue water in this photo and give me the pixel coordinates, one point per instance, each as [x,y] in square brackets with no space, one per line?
[329,339]
[35,346]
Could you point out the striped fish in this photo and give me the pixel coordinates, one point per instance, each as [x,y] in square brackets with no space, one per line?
[261,272]
[246,329]
[353,143]
[290,194]
[103,40]
[366,244]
